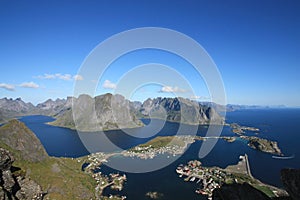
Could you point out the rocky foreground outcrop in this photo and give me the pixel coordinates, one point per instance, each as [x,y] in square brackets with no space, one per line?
[16,186]
[291,182]
[27,172]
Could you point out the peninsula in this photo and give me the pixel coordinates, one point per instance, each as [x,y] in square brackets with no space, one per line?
[210,178]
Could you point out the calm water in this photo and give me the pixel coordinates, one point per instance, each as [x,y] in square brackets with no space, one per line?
[277,124]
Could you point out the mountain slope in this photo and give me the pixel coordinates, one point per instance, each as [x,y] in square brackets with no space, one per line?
[56,178]
[17,136]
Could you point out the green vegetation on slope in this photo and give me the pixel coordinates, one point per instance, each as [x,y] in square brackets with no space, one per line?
[60,178]
[164,141]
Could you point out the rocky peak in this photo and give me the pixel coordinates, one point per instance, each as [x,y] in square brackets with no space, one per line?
[103,112]
[180,110]
[50,104]
[17,105]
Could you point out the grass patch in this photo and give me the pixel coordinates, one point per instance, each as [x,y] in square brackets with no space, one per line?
[62,178]
[159,142]
[265,190]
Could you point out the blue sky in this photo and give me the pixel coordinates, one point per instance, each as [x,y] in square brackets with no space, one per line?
[255,45]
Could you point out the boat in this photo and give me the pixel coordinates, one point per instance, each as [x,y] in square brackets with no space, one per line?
[193,178]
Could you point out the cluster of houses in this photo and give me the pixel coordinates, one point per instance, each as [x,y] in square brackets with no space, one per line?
[113,180]
[208,178]
[149,152]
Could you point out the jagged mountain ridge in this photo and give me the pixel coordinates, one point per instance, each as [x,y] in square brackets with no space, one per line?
[10,108]
[107,111]
[180,110]
[103,112]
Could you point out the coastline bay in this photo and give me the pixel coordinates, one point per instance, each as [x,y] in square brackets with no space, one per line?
[66,143]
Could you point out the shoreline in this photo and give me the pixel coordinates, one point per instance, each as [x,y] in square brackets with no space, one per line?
[211,178]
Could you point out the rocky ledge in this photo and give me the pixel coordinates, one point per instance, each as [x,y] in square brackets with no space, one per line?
[15,186]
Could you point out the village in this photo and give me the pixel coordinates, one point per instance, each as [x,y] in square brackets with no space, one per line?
[113,180]
[210,178]
[170,147]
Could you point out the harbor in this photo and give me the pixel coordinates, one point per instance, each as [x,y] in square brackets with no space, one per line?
[210,178]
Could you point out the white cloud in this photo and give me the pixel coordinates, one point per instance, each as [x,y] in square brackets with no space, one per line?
[46,76]
[7,86]
[195,97]
[77,77]
[66,77]
[170,89]
[29,85]
[109,85]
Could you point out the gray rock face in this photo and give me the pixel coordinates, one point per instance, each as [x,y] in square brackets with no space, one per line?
[291,181]
[10,108]
[6,160]
[104,112]
[12,187]
[29,189]
[51,107]
[180,110]
[17,105]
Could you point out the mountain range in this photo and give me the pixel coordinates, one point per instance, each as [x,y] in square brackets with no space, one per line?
[107,111]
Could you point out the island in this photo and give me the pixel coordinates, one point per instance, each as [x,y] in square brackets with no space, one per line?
[154,195]
[263,145]
[257,143]
[239,130]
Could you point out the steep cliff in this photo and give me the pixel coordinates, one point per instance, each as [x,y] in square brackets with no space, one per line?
[104,112]
[180,110]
